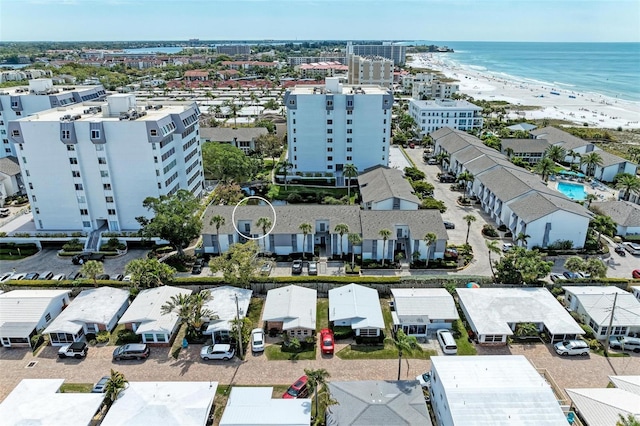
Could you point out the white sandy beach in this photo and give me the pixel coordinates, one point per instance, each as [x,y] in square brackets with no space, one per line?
[594,109]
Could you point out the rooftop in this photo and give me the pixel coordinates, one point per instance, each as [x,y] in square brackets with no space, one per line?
[256,406]
[226,134]
[556,136]
[525,145]
[598,305]
[436,303]
[223,305]
[623,213]
[295,306]
[381,183]
[146,309]
[445,104]
[359,303]
[602,406]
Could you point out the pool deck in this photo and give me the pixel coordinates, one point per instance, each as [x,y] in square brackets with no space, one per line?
[604,193]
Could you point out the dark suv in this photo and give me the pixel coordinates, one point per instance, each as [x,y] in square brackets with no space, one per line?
[131,351]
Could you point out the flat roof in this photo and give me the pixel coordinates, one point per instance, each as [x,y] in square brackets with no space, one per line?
[37,402]
[496,390]
[347,89]
[255,406]
[357,303]
[435,303]
[223,304]
[491,310]
[58,89]
[162,403]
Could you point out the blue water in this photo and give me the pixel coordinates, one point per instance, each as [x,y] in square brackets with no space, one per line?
[165,50]
[575,191]
[611,69]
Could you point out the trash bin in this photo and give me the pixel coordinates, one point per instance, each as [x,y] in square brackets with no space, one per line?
[185,344]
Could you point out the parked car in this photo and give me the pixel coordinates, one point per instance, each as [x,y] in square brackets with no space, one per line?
[412,145]
[31,276]
[74,350]
[257,340]
[620,250]
[506,247]
[117,277]
[556,277]
[197,269]
[127,278]
[19,276]
[265,269]
[131,351]
[4,212]
[76,275]
[636,273]
[219,351]
[632,248]
[572,347]
[296,267]
[425,380]
[59,277]
[451,252]
[328,344]
[447,179]
[100,387]
[625,343]
[47,275]
[82,258]
[298,389]
[6,276]
[571,275]
[449,225]
[199,261]
[102,277]
[312,268]
[432,161]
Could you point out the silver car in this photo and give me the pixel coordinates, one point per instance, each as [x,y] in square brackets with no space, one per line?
[219,351]
[572,347]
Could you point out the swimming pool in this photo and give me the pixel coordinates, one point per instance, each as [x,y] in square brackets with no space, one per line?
[575,191]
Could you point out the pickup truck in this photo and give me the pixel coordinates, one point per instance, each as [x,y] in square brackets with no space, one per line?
[81,258]
[75,350]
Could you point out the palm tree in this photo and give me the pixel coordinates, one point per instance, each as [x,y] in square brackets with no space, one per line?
[316,379]
[218,221]
[556,153]
[630,420]
[385,234]
[180,304]
[522,237]
[286,168]
[355,240]
[628,184]
[469,219]
[573,155]
[545,167]
[603,224]
[492,247]
[306,228]
[402,343]
[465,177]
[91,269]
[233,109]
[264,223]
[349,171]
[116,384]
[589,198]
[429,239]
[341,229]
[509,151]
[442,157]
[591,160]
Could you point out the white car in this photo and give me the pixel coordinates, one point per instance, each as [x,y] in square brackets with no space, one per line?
[6,276]
[257,340]
[425,380]
[127,278]
[219,351]
[572,347]
[59,277]
[506,247]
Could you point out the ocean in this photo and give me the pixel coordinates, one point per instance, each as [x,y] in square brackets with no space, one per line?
[610,69]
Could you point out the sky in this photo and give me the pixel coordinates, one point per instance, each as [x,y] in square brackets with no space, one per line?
[445,20]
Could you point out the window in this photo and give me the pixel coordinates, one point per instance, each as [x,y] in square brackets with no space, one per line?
[295,140]
[329,122]
[111,212]
[75,173]
[349,131]
[34,198]
[329,140]
[27,173]
[30,185]
[349,112]
[108,199]
[78,187]
[47,317]
[66,134]
[71,147]
[104,173]
[73,160]
[329,167]
[349,121]
[329,149]
[349,140]
[153,132]
[329,158]
[349,149]
[102,160]
[15,133]
[37,210]
[349,158]
[294,121]
[329,131]
[18,113]
[24,160]
[155,160]
[7,150]
[106,186]
[86,224]
[383,148]
[84,212]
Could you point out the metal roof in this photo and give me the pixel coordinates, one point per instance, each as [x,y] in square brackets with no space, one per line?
[255,406]
[293,305]
[22,310]
[223,305]
[357,303]
[145,309]
[598,304]
[602,406]
[435,303]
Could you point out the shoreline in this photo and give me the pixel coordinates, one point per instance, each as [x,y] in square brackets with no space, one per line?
[555,101]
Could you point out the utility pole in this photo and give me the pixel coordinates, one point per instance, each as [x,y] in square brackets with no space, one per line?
[239,327]
[606,339]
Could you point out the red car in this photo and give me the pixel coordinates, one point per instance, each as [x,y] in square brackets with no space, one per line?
[636,273]
[297,390]
[326,339]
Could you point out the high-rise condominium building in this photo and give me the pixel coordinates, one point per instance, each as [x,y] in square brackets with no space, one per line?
[233,49]
[41,94]
[90,166]
[333,125]
[370,70]
[432,115]
[397,53]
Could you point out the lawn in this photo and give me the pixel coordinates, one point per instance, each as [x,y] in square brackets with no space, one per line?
[386,351]
[464,347]
[275,353]
[76,387]
[113,338]
[255,310]
[322,314]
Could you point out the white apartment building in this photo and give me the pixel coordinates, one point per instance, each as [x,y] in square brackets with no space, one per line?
[433,115]
[90,166]
[370,70]
[425,86]
[396,52]
[40,95]
[333,125]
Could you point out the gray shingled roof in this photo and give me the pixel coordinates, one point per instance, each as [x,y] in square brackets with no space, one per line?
[456,140]
[381,183]
[288,218]
[484,163]
[505,184]
[472,152]
[610,159]
[525,145]
[226,134]
[9,166]
[558,137]
[522,126]
[623,213]
[536,205]
[420,222]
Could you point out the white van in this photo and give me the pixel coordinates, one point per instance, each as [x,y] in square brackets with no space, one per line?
[447,342]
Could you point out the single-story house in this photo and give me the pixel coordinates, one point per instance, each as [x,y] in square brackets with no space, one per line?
[255,406]
[93,310]
[419,311]
[227,303]
[25,313]
[604,406]
[38,402]
[291,309]
[377,403]
[491,390]
[494,313]
[163,403]
[357,307]
[530,150]
[383,188]
[145,318]
[522,127]
[196,75]
[10,177]
[243,138]
[625,214]
[594,305]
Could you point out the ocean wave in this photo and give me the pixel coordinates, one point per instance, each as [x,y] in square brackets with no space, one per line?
[477,67]
[557,83]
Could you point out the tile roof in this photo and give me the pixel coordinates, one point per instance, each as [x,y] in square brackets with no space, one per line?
[623,213]
[381,183]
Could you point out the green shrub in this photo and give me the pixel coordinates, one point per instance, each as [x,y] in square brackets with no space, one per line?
[594,344]
[342,332]
[73,245]
[430,203]
[127,336]
[490,231]
[103,336]
[588,334]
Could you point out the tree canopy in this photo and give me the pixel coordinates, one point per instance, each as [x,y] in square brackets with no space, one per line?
[147,273]
[227,163]
[174,220]
[237,264]
[520,265]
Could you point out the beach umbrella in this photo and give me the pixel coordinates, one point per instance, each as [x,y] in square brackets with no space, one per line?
[473,285]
